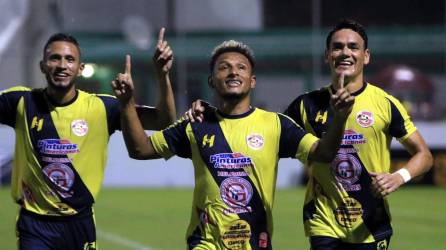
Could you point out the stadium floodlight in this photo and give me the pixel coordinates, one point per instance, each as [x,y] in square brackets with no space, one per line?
[89,70]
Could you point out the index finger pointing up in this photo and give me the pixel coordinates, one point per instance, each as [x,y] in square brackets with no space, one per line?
[128,65]
[161,35]
[340,83]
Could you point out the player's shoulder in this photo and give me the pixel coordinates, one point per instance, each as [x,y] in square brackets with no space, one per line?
[272,117]
[105,98]
[318,95]
[376,93]
[16,89]
[373,89]
[259,112]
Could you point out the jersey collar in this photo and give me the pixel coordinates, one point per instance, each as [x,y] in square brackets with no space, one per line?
[61,105]
[251,109]
[356,93]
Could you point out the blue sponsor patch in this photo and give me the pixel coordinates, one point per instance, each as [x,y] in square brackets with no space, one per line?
[230,161]
[57,147]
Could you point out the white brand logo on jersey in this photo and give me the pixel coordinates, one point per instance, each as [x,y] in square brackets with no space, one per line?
[255,141]
[365,118]
[79,127]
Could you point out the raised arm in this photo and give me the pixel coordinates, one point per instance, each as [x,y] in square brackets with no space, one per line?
[138,144]
[342,103]
[419,163]
[164,113]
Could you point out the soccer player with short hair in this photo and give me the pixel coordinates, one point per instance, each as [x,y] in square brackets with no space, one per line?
[345,204]
[235,152]
[61,146]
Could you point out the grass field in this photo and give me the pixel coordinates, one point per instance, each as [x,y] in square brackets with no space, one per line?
[157,219]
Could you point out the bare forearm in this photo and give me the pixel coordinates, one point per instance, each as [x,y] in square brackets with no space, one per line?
[135,138]
[421,160]
[419,163]
[328,145]
[166,112]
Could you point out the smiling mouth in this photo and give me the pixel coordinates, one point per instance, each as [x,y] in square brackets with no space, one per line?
[233,82]
[60,76]
[344,64]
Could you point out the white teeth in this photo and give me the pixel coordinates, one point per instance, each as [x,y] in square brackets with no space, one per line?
[345,63]
[232,81]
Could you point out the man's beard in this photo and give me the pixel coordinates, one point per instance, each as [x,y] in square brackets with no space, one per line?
[234,96]
[58,87]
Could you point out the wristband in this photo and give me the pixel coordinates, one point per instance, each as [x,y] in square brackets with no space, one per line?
[405,174]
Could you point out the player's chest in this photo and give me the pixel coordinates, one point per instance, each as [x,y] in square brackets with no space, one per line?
[365,121]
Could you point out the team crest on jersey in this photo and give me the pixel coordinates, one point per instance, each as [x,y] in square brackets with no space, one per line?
[236,192]
[347,170]
[365,118]
[62,176]
[79,127]
[255,141]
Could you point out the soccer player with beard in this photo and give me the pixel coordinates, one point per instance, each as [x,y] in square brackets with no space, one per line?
[235,152]
[345,204]
[61,145]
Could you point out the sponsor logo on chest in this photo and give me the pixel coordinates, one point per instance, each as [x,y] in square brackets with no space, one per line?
[351,137]
[57,147]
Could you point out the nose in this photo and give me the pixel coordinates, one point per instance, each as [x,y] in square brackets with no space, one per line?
[233,71]
[62,63]
[346,51]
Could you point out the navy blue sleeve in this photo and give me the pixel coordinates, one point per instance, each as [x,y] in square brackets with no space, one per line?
[176,138]
[290,137]
[113,113]
[8,106]
[293,111]
[396,128]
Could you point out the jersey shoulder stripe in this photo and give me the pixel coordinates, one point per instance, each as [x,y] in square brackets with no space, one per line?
[173,140]
[112,111]
[400,125]
[9,100]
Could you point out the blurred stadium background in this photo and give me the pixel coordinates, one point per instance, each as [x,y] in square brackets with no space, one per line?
[407,39]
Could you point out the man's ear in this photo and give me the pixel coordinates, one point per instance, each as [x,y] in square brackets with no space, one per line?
[42,66]
[326,56]
[253,81]
[210,82]
[81,68]
[366,56]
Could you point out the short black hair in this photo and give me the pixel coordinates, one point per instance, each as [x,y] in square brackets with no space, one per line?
[232,46]
[61,37]
[348,24]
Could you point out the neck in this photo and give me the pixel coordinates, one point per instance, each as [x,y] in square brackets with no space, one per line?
[60,96]
[352,84]
[234,107]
